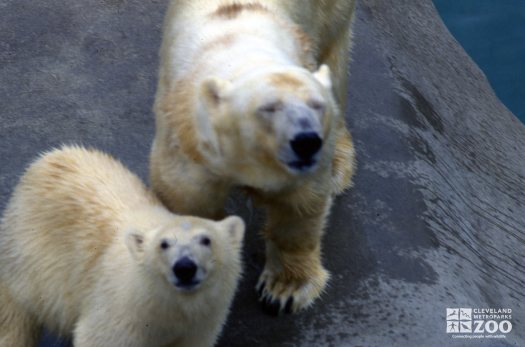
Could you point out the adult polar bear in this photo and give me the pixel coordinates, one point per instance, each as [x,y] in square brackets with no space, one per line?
[245,99]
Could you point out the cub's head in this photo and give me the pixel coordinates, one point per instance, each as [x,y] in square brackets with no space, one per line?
[190,251]
[276,119]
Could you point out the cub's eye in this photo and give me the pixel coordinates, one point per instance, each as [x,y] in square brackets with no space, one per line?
[317,105]
[164,245]
[271,107]
[205,241]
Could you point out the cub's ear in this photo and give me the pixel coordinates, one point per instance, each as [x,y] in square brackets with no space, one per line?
[234,227]
[215,89]
[323,76]
[135,242]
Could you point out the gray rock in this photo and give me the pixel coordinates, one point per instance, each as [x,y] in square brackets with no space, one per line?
[436,218]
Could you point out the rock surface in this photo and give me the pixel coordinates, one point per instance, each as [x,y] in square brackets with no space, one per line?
[436,218]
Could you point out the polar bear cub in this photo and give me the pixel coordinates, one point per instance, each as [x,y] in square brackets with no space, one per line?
[87,251]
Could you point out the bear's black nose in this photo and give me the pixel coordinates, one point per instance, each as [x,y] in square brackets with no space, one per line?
[185,270]
[306,144]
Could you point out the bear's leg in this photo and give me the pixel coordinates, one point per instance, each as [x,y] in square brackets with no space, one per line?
[17,327]
[293,276]
[187,188]
[204,199]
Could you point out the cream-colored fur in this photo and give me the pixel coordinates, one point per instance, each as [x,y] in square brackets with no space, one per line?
[238,80]
[89,252]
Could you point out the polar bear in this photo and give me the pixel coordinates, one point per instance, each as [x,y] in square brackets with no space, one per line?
[89,252]
[249,95]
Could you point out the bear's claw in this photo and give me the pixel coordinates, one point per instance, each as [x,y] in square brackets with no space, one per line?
[278,297]
[260,289]
[288,306]
[271,307]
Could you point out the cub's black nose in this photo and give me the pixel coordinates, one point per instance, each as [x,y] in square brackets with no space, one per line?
[185,270]
[306,144]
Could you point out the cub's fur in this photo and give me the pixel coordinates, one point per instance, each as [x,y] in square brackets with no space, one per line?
[250,94]
[88,252]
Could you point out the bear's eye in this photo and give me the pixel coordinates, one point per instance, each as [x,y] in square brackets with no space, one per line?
[317,105]
[205,241]
[271,107]
[164,245]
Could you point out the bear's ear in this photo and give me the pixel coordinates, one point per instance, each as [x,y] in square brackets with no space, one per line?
[323,76]
[234,227]
[215,89]
[213,92]
[135,243]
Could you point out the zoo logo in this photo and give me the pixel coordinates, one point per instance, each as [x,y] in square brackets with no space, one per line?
[472,321]
[459,320]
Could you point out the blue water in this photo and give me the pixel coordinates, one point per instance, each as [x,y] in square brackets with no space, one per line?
[493,34]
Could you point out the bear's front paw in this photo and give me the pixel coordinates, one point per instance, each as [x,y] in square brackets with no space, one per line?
[280,293]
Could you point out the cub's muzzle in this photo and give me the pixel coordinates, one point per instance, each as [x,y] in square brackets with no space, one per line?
[185,270]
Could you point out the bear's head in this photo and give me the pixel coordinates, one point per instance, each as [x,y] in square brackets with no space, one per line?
[267,122]
[191,251]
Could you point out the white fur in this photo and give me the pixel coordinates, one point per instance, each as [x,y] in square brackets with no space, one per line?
[80,253]
[224,64]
